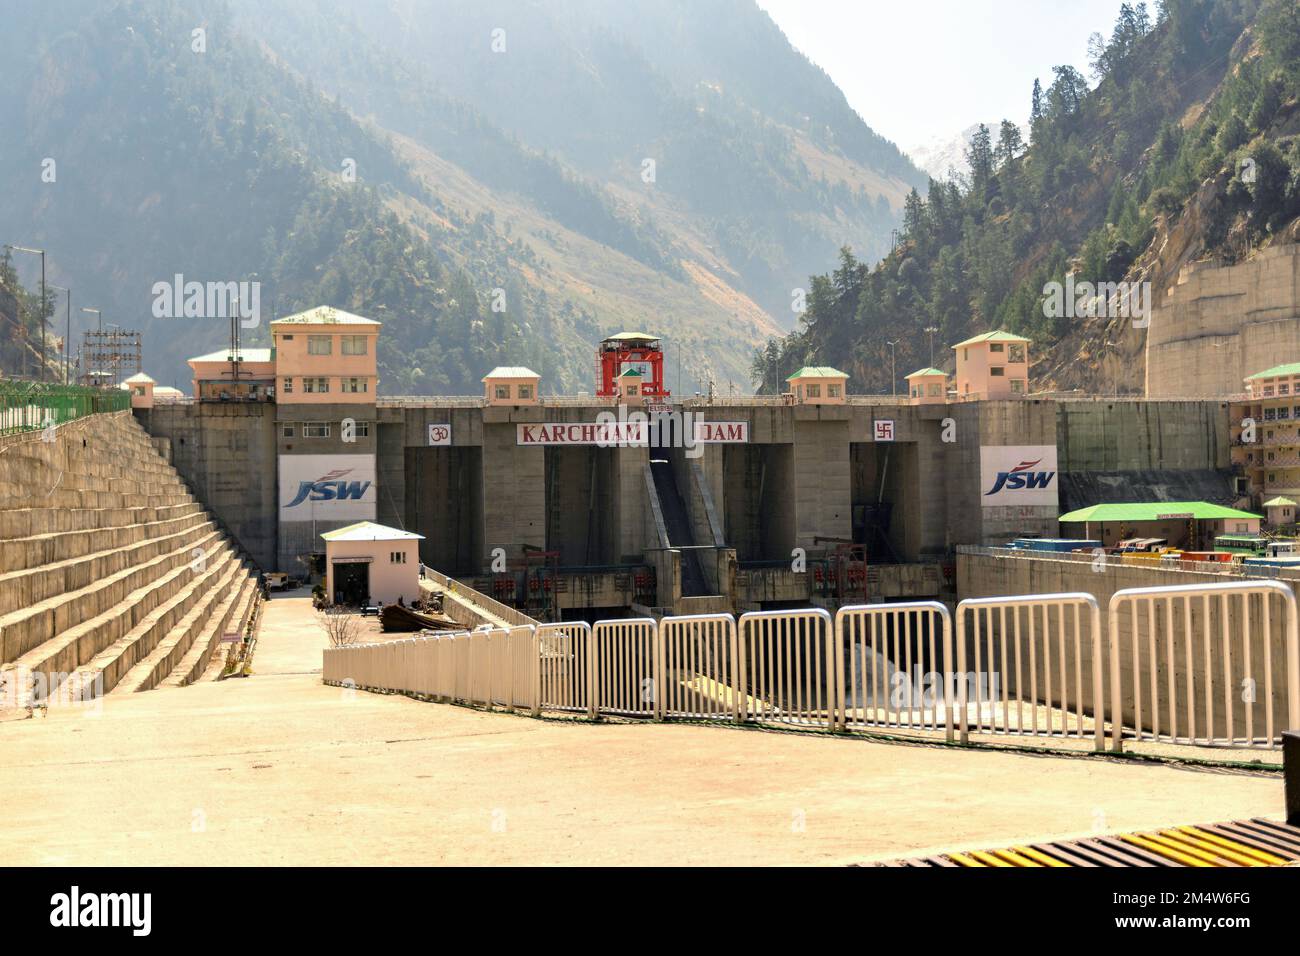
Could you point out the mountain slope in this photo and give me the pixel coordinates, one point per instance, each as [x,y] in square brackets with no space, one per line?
[500,211]
[1124,181]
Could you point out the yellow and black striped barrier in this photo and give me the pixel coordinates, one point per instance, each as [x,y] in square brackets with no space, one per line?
[1243,843]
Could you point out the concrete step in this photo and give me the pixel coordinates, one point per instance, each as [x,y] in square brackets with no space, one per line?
[226,617]
[43,464]
[20,554]
[216,665]
[32,586]
[152,658]
[133,475]
[30,522]
[131,619]
[60,498]
[70,613]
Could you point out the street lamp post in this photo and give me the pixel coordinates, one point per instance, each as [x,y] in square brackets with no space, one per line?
[41,253]
[930,330]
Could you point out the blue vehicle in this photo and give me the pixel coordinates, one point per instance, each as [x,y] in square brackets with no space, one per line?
[1057,545]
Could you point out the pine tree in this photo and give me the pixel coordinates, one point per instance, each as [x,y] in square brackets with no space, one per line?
[980,158]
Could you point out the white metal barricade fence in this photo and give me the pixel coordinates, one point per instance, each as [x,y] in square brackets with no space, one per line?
[788,668]
[1236,647]
[564,667]
[697,656]
[1209,664]
[1037,667]
[897,659]
[491,668]
[625,664]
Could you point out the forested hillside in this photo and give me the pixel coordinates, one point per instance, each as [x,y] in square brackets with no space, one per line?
[1183,145]
[488,206]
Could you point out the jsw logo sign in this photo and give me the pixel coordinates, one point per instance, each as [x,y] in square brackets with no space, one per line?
[330,487]
[1022,477]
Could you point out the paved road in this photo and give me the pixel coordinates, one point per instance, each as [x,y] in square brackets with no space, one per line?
[278,768]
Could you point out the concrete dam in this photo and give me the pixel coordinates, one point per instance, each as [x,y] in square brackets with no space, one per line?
[775,504]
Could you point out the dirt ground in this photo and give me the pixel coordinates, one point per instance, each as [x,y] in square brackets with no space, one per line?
[279,769]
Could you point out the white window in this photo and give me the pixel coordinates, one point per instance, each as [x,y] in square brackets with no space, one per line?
[832,391]
[995,346]
[525,391]
[354,344]
[287,387]
[814,391]
[320,344]
[316,385]
[287,431]
[397,557]
[1016,353]
[315,429]
[361,429]
[1017,385]
[503,392]
[354,385]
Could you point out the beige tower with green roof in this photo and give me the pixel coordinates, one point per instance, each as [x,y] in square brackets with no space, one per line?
[817,385]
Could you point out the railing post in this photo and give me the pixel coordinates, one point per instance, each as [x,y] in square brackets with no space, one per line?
[945,670]
[839,719]
[1292,661]
[656,671]
[963,722]
[1098,691]
[1116,701]
[737,655]
[593,705]
[534,661]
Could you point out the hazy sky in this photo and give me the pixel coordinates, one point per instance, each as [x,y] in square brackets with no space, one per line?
[918,70]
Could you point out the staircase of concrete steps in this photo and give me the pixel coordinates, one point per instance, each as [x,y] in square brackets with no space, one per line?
[206,654]
[109,567]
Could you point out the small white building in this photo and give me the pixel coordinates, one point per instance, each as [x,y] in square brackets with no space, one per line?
[927,386]
[367,562]
[141,387]
[1280,511]
[817,385]
[511,385]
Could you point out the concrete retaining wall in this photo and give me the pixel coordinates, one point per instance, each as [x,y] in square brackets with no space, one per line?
[984,575]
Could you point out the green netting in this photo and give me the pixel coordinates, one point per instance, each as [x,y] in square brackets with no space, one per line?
[29,406]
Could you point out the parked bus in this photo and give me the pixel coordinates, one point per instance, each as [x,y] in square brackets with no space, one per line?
[1254,545]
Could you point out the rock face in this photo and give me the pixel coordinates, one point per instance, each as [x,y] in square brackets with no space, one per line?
[1211,324]
[1219,324]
